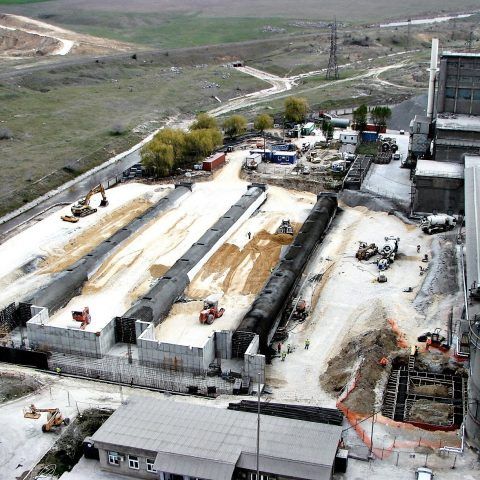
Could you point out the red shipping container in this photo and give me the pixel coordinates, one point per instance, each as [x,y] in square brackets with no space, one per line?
[210,163]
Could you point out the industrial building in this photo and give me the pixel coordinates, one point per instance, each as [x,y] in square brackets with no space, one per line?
[151,438]
[472,293]
[452,126]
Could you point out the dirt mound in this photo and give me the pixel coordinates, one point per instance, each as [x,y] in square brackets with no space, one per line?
[369,348]
[18,43]
[93,236]
[434,390]
[15,386]
[244,270]
[434,413]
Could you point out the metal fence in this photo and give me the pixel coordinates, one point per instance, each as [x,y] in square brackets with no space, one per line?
[131,372]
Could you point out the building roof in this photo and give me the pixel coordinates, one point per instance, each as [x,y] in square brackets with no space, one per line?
[209,442]
[431,168]
[453,121]
[460,54]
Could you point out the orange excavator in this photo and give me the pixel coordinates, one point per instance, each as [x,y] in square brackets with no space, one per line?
[82,208]
[54,417]
[82,316]
[210,310]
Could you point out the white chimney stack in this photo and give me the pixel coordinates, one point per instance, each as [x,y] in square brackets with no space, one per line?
[431,82]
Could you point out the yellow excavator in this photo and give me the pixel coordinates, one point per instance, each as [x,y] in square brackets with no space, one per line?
[82,208]
[54,417]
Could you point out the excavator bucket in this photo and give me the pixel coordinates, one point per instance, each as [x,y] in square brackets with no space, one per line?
[103,202]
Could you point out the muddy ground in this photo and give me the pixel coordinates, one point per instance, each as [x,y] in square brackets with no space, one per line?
[67,451]
[14,386]
[368,348]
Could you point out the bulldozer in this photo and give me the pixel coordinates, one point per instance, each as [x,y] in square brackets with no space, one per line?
[285,228]
[82,316]
[55,418]
[210,310]
[82,208]
[365,251]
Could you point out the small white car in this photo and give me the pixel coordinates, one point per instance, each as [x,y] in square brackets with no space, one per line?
[423,473]
[402,132]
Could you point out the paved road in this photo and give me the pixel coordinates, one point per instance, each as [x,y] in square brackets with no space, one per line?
[73,193]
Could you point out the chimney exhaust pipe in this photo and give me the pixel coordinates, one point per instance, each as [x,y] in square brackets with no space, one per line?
[431,82]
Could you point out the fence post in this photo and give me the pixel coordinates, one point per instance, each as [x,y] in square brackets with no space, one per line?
[398,456]
[454,462]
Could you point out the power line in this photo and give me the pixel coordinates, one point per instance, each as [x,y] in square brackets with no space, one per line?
[332,69]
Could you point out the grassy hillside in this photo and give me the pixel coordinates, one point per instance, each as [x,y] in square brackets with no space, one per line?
[169,23]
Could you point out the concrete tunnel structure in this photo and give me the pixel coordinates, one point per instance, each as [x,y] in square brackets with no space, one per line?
[263,317]
[68,283]
[156,304]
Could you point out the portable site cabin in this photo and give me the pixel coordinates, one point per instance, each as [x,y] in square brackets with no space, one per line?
[284,157]
[308,128]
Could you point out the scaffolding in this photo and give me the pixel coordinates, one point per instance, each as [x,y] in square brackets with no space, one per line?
[125,371]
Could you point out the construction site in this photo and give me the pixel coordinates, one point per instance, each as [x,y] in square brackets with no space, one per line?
[296,270]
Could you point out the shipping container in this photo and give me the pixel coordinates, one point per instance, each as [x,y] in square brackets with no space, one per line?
[375,128]
[308,128]
[283,147]
[284,157]
[214,161]
[266,154]
[369,136]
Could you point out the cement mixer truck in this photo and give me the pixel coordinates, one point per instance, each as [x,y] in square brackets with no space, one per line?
[438,223]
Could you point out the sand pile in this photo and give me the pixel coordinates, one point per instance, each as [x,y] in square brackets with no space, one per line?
[244,270]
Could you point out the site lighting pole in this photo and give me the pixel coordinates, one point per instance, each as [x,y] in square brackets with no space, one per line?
[258,428]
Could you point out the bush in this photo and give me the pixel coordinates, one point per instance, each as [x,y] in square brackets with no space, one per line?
[5,134]
[117,129]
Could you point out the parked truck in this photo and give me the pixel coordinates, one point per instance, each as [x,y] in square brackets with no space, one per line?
[438,223]
[253,161]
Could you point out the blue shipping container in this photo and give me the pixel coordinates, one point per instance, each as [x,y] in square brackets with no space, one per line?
[284,157]
[369,136]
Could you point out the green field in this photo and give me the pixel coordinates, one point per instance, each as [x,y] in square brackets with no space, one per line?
[61,119]
[19,2]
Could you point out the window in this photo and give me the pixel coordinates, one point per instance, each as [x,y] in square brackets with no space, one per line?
[449,92]
[263,476]
[113,458]
[150,467]
[133,462]
[464,93]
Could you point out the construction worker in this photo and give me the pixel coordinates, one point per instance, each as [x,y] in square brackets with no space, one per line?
[279,348]
[58,370]
[307,343]
[289,348]
[284,355]
[418,248]
[249,234]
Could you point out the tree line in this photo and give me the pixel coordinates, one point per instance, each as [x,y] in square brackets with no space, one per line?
[173,148]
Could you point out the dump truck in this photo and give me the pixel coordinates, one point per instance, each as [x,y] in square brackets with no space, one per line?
[438,223]
[82,208]
[253,161]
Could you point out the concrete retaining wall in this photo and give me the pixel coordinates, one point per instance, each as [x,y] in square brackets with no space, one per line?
[152,352]
[254,362]
[68,339]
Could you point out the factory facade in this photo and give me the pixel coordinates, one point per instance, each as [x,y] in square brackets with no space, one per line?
[448,135]
[150,438]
